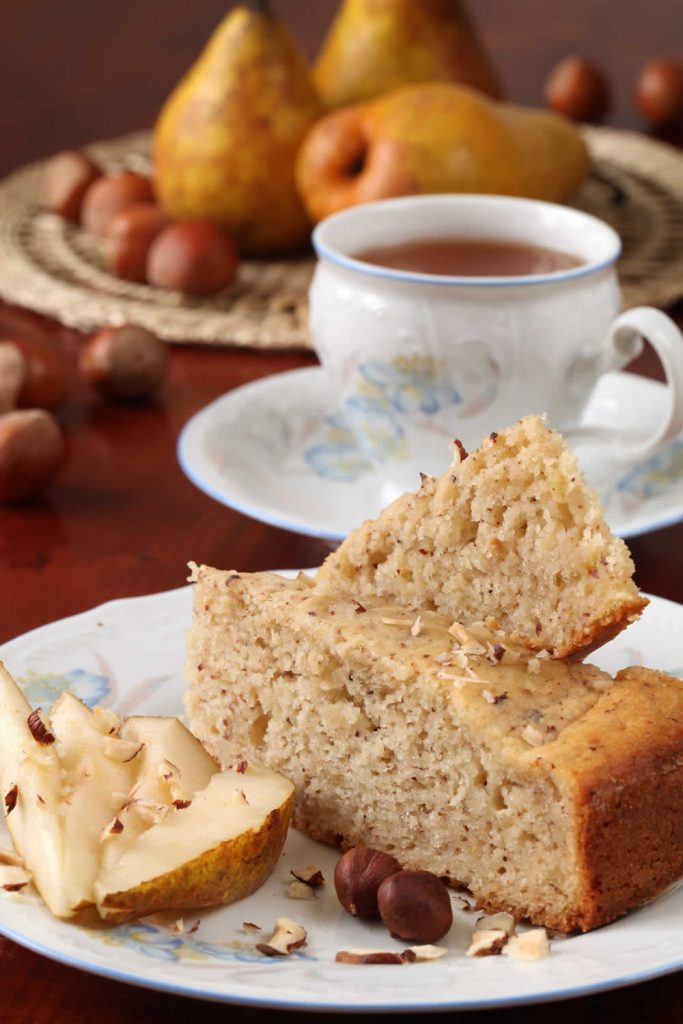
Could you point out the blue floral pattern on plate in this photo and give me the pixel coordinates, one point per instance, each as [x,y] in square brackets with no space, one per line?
[162,944]
[43,690]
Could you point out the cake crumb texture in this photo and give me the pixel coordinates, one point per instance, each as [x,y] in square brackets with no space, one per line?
[547,788]
[511,531]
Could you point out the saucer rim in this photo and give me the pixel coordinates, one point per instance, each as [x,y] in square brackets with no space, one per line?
[271,517]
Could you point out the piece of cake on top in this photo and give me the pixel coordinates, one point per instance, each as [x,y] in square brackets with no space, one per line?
[511,531]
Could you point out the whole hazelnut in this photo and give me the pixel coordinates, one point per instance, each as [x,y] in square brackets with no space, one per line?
[415,906]
[43,381]
[124,362]
[31,452]
[357,877]
[131,233]
[578,89]
[111,194]
[659,91]
[192,256]
[67,178]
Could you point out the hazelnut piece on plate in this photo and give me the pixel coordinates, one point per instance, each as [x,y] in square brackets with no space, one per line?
[415,906]
[357,877]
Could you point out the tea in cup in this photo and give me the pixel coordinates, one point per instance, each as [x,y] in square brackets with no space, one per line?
[451,316]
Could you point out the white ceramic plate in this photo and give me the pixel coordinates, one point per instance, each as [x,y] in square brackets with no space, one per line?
[278,450]
[129,655]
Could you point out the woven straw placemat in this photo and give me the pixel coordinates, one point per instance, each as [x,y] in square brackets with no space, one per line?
[55,268]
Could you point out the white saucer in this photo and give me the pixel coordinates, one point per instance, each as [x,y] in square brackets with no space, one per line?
[278,450]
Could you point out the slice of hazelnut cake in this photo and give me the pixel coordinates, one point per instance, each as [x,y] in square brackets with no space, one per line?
[544,786]
[510,531]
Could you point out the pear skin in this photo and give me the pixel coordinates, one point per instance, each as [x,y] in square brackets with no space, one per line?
[218,849]
[437,137]
[375,46]
[226,140]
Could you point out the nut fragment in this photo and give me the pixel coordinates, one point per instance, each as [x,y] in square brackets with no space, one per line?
[105,720]
[11,798]
[287,936]
[310,875]
[427,952]
[531,945]
[487,942]
[122,750]
[300,891]
[13,877]
[415,906]
[371,956]
[40,730]
[358,876]
[502,921]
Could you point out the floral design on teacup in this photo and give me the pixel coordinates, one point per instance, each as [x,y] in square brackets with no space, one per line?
[388,394]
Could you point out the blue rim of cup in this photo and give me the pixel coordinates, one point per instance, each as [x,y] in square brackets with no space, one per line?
[445,280]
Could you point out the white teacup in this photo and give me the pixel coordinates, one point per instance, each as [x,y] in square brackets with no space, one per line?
[421,359]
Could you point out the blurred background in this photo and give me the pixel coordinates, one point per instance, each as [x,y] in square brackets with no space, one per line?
[106,68]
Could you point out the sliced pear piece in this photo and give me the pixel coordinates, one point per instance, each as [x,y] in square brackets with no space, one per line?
[30,785]
[171,766]
[218,849]
[98,771]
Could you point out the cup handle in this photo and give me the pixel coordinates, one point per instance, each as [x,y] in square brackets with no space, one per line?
[625,341]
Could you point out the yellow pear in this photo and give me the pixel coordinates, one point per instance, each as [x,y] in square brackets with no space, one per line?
[375,46]
[226,140]
[437,137]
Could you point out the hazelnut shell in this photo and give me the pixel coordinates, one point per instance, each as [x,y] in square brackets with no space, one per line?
[31,453]
[577,89]
[125,362]
[67,178]
[357,877]
[111,194]
[415,906]
[659,91]
[192,256]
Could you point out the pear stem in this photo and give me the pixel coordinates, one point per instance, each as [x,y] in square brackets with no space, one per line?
[261,7]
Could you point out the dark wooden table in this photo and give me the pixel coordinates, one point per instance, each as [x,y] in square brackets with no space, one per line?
[122,519]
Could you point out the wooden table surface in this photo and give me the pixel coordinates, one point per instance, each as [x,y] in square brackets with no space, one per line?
[122,519]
